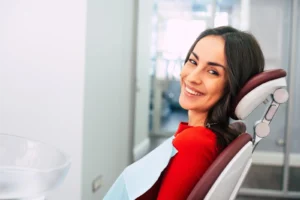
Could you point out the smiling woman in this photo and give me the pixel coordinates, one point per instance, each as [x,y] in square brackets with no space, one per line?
[218,64]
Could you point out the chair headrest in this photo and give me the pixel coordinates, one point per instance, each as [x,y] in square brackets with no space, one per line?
[255,91]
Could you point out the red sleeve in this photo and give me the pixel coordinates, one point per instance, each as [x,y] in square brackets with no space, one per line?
[196,152]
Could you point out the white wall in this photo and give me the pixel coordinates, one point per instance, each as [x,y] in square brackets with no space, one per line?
[142,98]
[268,20]
[66,78]
[108,130]
[42,46]
[268,24]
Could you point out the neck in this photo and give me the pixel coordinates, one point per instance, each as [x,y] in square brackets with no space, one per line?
[197,118]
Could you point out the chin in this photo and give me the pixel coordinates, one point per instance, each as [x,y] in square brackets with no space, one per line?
[186,105]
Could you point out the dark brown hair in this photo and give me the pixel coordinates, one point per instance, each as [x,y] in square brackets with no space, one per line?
[244,59]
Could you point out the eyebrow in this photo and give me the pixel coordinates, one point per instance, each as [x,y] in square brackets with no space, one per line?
[209,63]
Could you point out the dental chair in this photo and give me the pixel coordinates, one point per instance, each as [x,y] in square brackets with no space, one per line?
[224,177]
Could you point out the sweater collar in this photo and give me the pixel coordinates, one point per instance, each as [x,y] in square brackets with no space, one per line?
[182,126]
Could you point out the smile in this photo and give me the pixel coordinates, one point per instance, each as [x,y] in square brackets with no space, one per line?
[192,92]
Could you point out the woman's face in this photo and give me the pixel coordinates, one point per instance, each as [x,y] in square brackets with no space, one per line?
[203,77]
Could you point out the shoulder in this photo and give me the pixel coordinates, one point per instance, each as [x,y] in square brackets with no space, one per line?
[196,139]
[197,134]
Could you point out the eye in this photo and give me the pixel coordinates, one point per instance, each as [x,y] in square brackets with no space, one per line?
[213,72]
[192,61]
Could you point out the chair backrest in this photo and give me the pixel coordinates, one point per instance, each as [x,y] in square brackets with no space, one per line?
[224,177]
[211,175]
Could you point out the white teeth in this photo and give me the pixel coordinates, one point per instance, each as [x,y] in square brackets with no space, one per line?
[192,91]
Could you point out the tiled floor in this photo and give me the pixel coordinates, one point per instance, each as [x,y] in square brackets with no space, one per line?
[270,177]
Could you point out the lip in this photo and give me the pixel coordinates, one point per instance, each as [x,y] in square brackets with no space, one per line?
[194,89]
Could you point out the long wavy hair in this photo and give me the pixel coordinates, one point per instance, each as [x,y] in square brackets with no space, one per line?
[244,59]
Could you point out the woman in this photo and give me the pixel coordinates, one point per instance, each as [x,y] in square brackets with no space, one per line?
[218,64]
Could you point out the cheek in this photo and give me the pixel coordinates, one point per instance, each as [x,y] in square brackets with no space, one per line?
[186,70]
[216,90]
[183,72]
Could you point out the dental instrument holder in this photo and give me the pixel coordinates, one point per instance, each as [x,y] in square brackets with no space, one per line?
[262,128]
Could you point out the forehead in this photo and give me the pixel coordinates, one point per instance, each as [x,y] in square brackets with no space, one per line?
[211,49]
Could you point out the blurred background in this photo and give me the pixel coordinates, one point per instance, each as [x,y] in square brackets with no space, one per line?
[100,80]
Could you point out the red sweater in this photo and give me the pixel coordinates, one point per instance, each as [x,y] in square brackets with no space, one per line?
[197,149]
